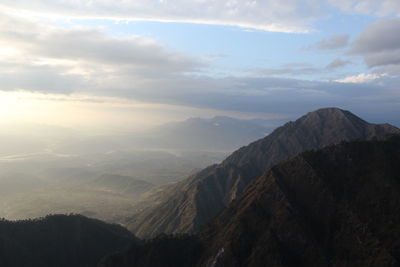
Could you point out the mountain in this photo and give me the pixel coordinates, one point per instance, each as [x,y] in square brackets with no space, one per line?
[338,206]
[188,205]
[59,240]
[163,251]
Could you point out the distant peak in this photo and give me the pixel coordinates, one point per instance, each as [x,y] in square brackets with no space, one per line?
[332,112]
[329,110]
[335,116]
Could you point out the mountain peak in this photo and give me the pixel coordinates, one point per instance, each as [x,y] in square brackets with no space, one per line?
[332,113]
[337,206]
[209,191]
[330,110]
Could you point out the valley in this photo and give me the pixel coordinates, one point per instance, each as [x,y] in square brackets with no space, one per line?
[320,191]
[109,177]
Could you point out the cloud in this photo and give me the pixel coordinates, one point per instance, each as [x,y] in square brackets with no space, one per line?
[293,96]
[331,43]
[91,62]
[379,44]
[300,69]
[268,15]
[33,77]
[368,7]
[361,78]
[389,70]
[291,16]
[295,71]
[337,63]
[92,45]
[38,57]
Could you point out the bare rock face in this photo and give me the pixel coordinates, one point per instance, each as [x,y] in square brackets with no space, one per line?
[339,206]
[190,204]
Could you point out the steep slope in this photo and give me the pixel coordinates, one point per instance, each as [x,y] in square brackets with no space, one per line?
[163,251]
[59,240]
[339,206]
[188,205]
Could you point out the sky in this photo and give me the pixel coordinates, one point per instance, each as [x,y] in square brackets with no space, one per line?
[122,65]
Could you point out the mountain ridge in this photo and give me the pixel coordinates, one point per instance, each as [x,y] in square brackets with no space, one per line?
[336,206]
[188,205]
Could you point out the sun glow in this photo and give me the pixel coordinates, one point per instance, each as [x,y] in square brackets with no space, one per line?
[8,105]
[74,111]
[7,51]
[92,114]
[97,114]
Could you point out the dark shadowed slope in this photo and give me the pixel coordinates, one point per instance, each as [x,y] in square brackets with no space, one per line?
[339,206]
[163,251]
[59,240]
[193,202]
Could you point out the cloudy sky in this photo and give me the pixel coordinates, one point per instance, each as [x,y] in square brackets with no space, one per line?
[129,64]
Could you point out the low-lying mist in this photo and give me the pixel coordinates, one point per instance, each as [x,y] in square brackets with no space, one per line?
[50,170]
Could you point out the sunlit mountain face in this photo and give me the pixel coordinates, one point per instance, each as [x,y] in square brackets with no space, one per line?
[113,109]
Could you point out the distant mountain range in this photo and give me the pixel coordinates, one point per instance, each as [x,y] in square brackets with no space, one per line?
[339,206]
[218,133]
[194,134]
[222,134]
[190,204]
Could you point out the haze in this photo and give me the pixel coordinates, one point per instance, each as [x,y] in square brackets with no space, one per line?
[102,103]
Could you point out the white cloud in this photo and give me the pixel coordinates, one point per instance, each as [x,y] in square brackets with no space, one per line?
[361,78]
[268,15]
[38,57]
[90,45]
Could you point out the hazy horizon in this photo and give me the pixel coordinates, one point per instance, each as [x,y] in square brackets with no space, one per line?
[116,66]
